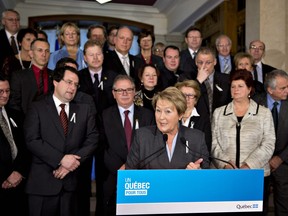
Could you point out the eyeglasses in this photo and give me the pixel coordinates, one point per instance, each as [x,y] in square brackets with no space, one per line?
[71,83]
[13,20]
[121,91]
[190,96]
[201,63]
[253,47]
[7,91]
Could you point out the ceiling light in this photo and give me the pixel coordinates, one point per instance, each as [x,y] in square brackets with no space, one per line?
[103,1]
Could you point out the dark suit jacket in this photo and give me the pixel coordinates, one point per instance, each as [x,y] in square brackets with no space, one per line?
[187,64]
[168,78]
[113,63]
[281,146]
[149,140]
[221,94]
[24,89]
[5,47]
[46,141]
[218,67]
[155,60]
[22,161]
[265,70]
[105,98]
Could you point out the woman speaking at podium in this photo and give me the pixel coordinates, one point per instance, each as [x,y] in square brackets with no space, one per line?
[168,144]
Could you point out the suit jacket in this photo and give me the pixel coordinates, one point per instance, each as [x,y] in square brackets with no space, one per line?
[221,94]
[155,60]
[281,146]
[187,64]
[116,150]
[5,47]
[24,89]
[149,140]
[105,98]
[113,63]
[22,160]
[168,78]
[46,141]
[265,70]
[218,67]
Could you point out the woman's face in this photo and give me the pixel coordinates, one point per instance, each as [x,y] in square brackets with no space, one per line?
[190,95]
[26,41]
[146,43]
[167,117]
[149,78]
[239,90]
[245,63]
[70,36]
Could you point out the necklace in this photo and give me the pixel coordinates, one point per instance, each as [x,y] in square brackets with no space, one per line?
[148,98]
[21,63]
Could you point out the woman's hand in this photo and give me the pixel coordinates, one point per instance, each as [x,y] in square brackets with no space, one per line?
[195,165]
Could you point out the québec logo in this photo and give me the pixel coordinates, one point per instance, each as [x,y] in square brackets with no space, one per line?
[245,206]
[136,188]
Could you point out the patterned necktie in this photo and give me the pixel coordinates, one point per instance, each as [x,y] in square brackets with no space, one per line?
[126,65]
[13,45]
[64,119]
[8,134]
[226,66]
[128,129]
[209,94]
[194,55]
[275,115]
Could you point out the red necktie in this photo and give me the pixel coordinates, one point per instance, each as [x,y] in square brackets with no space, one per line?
[64,119]
[127,128]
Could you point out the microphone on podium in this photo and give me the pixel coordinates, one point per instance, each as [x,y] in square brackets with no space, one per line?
[184,142]
[165,138]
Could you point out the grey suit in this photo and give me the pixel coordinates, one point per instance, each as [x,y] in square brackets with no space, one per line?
[149,140]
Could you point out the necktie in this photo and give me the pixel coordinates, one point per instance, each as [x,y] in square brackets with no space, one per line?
[255,74]
[128,129]
[13,45]
[41,83]
[126,65]
[226,66]
[194,55]
[96,87]
[275,115]
[209,94]
[7,132]
[64,119]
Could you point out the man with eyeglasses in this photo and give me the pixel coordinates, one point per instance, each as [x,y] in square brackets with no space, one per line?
[119,124]
[224,58]
[215,87]
[193,39]
[33,83]
[8,34]
[61,135]
[14,159]
[257,50]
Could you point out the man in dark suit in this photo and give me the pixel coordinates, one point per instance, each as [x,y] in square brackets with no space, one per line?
[225,62]
[61,134]
[276,86]
[193,39]
[119,60]
[257,50]
[32,84]
[215,87]
[118,140]
[11,24]
[14,158]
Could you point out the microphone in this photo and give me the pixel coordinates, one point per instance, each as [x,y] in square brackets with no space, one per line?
[183,141]
[165,138]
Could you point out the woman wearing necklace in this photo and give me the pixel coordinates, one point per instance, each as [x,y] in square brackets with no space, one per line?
[148,75]
[22,60]
[191,118]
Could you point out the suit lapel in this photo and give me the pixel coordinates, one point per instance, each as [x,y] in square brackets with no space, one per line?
[72,118]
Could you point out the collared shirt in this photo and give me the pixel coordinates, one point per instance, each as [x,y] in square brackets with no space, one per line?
[222,62]
[36,71]
[15,37]
[130,115]
[92,73]
[192,52]
[193,113]
[259,71]
[121,57]
[57,104]
[270,102]
[170,154]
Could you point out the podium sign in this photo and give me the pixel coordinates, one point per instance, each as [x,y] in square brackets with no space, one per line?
[189,191]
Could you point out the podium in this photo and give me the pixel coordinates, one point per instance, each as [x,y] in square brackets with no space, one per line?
[189,191]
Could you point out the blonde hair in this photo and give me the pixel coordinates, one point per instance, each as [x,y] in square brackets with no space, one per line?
[190,84]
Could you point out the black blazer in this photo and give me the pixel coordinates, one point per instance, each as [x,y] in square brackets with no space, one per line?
[156,60]
[187,64]
[5,47]
[149,140]
[24,89]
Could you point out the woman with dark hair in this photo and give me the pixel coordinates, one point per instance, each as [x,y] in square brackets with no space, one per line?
[22,60]
[146,41]
[148,75]
[243,131]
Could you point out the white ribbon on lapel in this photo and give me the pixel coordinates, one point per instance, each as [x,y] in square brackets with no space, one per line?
[73,118]
[13,122]
[218,87]
[101,85]
[187,147]
[136,124]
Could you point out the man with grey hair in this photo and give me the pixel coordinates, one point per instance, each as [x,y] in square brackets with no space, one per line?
[8,34]
[275,98]
[224,59]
